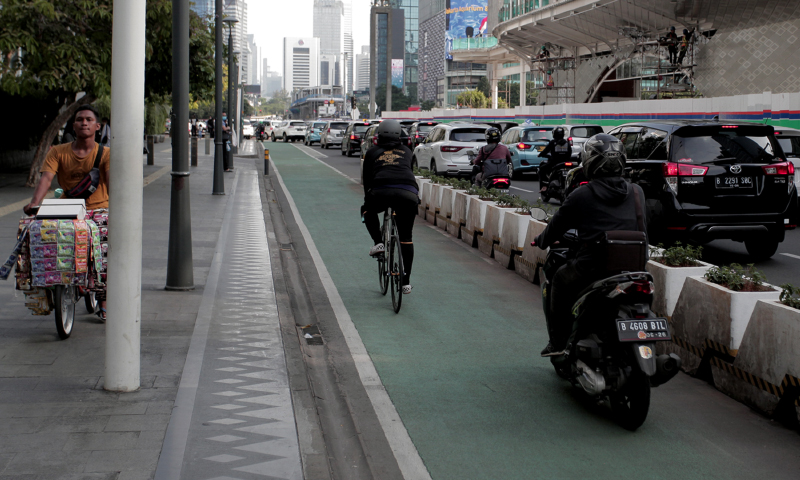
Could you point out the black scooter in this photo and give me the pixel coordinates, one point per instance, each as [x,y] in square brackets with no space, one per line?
[611,352]
[501,181]
[557,182]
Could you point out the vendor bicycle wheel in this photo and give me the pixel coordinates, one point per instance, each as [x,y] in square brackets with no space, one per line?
[64,299]
[90,299]
[383,258]
[396,269]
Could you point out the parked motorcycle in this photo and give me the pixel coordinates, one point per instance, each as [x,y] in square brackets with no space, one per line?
[610,354]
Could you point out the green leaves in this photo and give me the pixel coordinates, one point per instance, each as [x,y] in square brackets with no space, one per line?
[677,255]
[737,278]
[790,295]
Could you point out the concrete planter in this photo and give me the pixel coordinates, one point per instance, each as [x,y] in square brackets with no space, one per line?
[512,238]
[446,221]
[769,351]
[526,264]
[709,312]
[669,283]
[476,218]
[445,207]
[425,195]
[492,228]
[458,216]
[433,203]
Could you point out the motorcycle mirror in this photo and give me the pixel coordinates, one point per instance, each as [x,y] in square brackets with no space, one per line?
[538,214]
[571,235]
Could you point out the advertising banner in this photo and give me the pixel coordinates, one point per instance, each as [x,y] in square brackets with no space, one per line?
[397,72]
[464,19]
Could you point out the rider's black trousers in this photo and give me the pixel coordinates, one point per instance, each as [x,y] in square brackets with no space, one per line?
[404,203]
[567,286]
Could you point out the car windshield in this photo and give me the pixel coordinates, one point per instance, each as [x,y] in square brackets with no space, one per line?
[536,136]
[585,132]
[468,135]
[319,125]
[790,145]
[298,124]
[338,126]
[360,128]
[726,145]
[425,128]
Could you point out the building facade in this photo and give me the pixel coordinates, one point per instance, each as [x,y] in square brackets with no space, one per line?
[348,45]
[329,27]
[410,10]
[238,10]
[431,48]
[362,69]
[204,8]
[301,62]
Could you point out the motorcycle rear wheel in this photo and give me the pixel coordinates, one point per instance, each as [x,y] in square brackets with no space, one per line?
[630,405]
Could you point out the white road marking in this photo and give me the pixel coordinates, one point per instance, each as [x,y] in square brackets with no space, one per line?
[522,189]
[405,452]
[791,255]
[313,154]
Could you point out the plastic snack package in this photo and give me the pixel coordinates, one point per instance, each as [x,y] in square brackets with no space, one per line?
[81,265]
[49,235]
[52,278]
[65,264]
[78,279]
[39,280]
[66,250]
[38,265]
[49,224]
[66,278]
[50,250]
[36,238]
[37,251]
[66,234]
[50,264]
[36,226]
[81,251]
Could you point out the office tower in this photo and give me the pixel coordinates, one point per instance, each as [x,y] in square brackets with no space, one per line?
[348,45]
[333,25]
[362,69]
[204,8]
[238,9]
[300,62]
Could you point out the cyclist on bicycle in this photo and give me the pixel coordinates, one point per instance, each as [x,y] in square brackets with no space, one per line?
[389,182]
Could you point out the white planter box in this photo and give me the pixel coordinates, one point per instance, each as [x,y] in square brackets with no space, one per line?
[445,207]
[526,264]
[492,228]
[512,237]
[669,283]
[433,203]
[455,212]
[425,195]
[707,311]
[476,218]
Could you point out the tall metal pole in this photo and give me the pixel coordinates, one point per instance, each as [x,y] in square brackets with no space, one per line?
[388,60]
[219,184]
[373,59]
[231,106]
[180,271]
[123,329]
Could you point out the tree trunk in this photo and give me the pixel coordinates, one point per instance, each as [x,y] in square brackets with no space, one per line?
[48,136]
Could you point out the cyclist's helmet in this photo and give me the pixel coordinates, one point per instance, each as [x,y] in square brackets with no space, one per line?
[558,133]
[492,135]
[603,155]
[389,131]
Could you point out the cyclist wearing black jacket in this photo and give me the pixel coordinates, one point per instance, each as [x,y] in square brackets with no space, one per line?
[556,152]
[389,182]
[607,203]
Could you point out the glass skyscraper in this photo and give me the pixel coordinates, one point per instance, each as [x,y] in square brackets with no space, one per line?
[203,8]
[411,43]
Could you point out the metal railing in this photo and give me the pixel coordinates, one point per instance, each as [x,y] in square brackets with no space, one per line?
[515,8]
[473,43]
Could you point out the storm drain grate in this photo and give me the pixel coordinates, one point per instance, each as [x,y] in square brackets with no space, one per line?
[312,335]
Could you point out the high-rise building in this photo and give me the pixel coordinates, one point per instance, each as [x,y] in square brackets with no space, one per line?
[300,62]
[397,55]
[329,27]
[348,45]
[204,8]
[238,9]
[411,45]
[253,61]
[362,69]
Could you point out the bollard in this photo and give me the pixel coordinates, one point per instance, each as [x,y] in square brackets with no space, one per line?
[266,162]
[151,159]
[194,151]
[208,145]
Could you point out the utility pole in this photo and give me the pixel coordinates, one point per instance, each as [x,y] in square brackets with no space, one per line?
[180,271]
[123,329]
[219,184]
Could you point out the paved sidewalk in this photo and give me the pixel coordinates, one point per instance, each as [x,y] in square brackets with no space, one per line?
[59,423]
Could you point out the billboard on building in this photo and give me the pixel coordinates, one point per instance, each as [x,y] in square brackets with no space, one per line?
[252,89]
[464,19]
[397,72]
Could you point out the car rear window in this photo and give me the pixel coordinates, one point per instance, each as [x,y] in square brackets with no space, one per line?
[790,145]
[585,132]
[425,128]
[298,124]
[733,145]
[468,135]
[361,128]
[319,125]
[537,135]
[339,126]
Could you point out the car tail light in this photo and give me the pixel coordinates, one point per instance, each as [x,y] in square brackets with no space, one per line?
[569,164]
[416,136]
[329,130]
[674,170]
[452,148]
[501,182]
[730,126]
[374,139]
[784,168]
[524,146]
[352,137]
[636,287]
[570,141]
[524,162]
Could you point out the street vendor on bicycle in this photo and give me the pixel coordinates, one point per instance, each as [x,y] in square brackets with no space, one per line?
[389,182]
[71,162]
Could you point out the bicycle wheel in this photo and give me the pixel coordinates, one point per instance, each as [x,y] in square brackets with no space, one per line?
[383,258]
[65,310]
[396,270]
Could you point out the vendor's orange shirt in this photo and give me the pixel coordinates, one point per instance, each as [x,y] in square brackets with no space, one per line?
[70,170]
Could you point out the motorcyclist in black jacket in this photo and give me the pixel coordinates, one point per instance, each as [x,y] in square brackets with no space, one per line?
[557,151]
[389,182]
[605,204]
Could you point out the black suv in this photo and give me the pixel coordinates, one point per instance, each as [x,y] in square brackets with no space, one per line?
[417,133]
[707,180]
[351,142]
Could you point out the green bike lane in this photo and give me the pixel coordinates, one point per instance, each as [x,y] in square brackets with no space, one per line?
[460,363]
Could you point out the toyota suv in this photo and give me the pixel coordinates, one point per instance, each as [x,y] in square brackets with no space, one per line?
[707,180]
[445,149]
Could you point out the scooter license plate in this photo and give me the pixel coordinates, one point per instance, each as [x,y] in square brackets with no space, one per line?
[643,330]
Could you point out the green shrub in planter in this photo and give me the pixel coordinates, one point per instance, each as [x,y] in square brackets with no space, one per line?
[790,296]
[677,255]
[737,278]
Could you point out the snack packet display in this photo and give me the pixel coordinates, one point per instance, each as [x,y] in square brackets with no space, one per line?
[49,224]
[50,250]
[52,278]
[39,280]
[49,235]
[66,278]
[81,251]
[36,226]
[65,264]
[36,238]
[66,232]
[66,250]
[78,279]
[81,265]
[37,251]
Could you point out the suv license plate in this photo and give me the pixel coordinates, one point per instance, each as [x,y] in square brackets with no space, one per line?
[643,330]
[734,182]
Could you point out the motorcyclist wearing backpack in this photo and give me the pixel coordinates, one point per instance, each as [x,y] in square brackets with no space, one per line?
[606,204]
[556,152]
[493,150]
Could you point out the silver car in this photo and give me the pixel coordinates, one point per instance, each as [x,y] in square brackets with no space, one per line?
[578,134]
[332,133]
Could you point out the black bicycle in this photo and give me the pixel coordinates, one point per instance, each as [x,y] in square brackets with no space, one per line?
[390,262]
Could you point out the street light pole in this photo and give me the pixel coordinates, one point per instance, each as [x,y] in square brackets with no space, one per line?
[180,271]
[219,184]
[230,21]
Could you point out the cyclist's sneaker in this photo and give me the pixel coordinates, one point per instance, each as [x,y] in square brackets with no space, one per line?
[407,289]
[377,250]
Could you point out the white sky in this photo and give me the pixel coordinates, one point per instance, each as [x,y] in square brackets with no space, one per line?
[272,20]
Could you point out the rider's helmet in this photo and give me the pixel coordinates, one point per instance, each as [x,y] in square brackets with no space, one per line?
[558,133]
[492,135]
[671,29]
[389,131]
[603,155]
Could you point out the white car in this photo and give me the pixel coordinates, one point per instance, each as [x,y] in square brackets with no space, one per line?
[247,129]
[332,133]
[445,149]
[290,130]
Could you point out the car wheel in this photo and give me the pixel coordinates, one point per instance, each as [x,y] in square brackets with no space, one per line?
[285,139]
[761,248]
[433,168]
[513,174]
[414,162]
[273,137]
